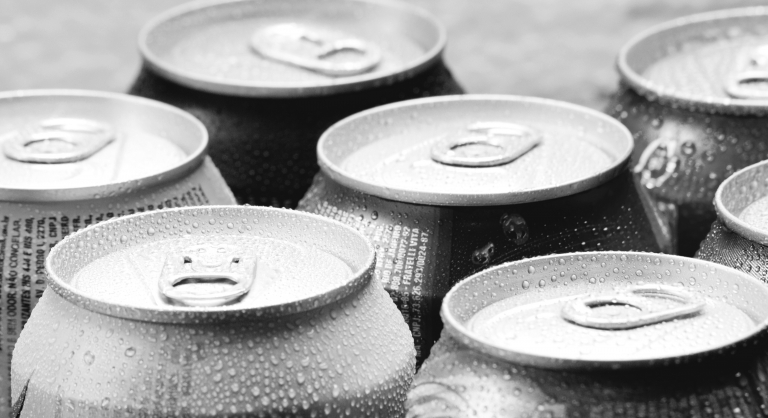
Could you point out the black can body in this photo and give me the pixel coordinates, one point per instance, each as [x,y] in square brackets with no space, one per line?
[728,248]
[709,148]
[730,385]
[423,250]
[266,147]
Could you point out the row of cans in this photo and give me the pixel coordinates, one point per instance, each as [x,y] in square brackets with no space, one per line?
[244,311]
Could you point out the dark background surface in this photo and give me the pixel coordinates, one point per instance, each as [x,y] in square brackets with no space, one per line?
[563,49]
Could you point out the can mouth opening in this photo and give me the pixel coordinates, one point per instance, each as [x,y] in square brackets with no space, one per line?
[735,197]
[228,225]
[589,277]
[668,38]
[125,115]
[385,17]
[414,123]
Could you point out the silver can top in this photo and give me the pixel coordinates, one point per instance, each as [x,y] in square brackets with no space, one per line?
[741,202]
[474,150]
[291,48]
[605,310]
[217,263]
[716,61]
[58,145]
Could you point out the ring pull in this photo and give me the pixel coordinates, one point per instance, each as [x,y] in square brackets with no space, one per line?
[753,69]
[313,49]
[581,312]
[59,140]
[207,275]
[486,144]
[657,163]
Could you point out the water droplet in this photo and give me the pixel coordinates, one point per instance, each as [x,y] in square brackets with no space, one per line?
[89,358]
[526,284]
[130,352]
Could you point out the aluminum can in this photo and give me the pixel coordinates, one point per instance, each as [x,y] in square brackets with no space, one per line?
[71,158]
[692,95]
[601,334]
[445,187]
[268,77]
[215,311]
[739,236]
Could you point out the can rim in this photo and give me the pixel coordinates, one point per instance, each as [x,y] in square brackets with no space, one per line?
[730,219]
[227,313]
[286,89]
[192,161]
[645,87]
[339,175]
[461,333]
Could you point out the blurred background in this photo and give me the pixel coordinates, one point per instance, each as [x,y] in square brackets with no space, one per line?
[562,49]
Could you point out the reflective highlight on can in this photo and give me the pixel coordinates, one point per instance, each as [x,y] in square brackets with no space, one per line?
[657,335]
[739,237]
[121,155]
[692,96]
[445,187]
[310,334]
[268,77]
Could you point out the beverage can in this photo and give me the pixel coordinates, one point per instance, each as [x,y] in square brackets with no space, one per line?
[69,159]
[213,311]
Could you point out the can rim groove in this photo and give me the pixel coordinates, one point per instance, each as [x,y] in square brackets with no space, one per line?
[255,88]
[457,330]
[192,161]
[198,315]
[645,87]
[338,174]
[731,219]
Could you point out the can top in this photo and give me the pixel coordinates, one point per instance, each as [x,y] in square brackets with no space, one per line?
[474,150]
[741,202]
[605,310]
[717,61]
[209,264]
[291,48]
[58,145]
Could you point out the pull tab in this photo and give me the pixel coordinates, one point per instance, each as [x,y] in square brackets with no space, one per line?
[580,311]
[742,84]
[313,49]
[207,275]
[59,140]
[657,163]
[488,144]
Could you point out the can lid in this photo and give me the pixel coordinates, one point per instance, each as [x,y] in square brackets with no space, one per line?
[58,145]
[605,310]
[716,61]
[741,202]
[208,264]
[473,150]
[291,48]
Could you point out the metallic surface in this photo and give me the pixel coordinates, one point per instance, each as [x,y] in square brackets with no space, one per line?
[339,349]
[735,240]
[690,134]
[158,143]
[173,47]
[423,249]
[32,220]
[265,146]
[397,161]
[468,376]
